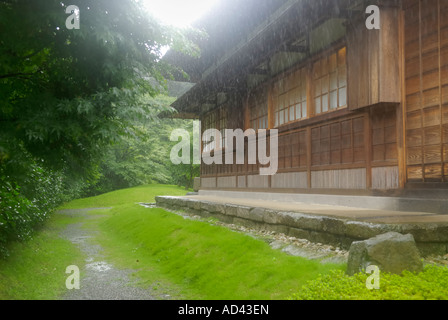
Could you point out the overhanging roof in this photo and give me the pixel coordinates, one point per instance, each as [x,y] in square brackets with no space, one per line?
[281,32]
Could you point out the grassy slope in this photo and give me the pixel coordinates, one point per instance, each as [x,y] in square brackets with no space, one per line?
[209,261]
[195,259]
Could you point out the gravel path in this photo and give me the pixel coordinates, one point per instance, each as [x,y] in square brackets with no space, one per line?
[100,280]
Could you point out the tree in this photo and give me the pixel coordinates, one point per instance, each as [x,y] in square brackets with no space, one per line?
[144,157]
[67,94]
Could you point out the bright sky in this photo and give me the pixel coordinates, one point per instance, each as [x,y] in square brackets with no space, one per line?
[179,13]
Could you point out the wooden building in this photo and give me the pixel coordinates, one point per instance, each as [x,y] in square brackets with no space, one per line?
[358,110]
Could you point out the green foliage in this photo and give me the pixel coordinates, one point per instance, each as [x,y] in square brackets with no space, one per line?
[67,95]
[143,156]
[431,284]
[66,92]
[15,214]
[28,193]
[184,174]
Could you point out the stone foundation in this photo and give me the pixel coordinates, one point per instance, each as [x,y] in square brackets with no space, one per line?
[431,238]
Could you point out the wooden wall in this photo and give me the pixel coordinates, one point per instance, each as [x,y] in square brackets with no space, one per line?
[426,76]
[366,145]
[355,151]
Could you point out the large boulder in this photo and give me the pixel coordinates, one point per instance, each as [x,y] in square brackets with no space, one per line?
[392,252]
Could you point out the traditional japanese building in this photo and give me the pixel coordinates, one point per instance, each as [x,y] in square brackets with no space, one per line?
[358,110]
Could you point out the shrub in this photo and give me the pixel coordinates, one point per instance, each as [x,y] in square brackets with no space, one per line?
[16,214]
[431,284]
[29,192]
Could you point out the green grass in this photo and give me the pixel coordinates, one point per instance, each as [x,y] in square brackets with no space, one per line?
[190,259]
[206,261]
[35,269]
[431,284]
[184,258]
[145,193]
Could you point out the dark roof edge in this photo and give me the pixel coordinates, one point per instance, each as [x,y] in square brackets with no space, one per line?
[262,28]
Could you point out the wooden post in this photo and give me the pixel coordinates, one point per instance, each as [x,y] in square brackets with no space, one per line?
[368,148]
[401,123]
[310,112]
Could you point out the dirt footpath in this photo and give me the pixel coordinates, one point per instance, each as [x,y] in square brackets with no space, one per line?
[100,280]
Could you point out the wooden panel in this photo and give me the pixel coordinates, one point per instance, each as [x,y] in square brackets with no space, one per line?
[432,154]
[413,85]
[257,181]
[444,94]
[391,151]
[378,136]
[413,102]
[339,179]
[208,182]
[379,153]
[359,154]
[430,61]
[390,134]
[432,136]
[241,181]
[373,71]
[347,156]
[415,173]
[290,180]
[414,156]
[226,182]
[414,120]
[433,172]
[431,98]
[445,135]
[385,178]
[414,138]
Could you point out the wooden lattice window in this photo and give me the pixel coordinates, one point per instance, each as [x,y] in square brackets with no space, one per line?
[293,150]
[341,142]
[330,82]
[258,106]
[290,100]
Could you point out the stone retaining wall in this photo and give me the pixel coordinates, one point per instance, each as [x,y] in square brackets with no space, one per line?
[430,238]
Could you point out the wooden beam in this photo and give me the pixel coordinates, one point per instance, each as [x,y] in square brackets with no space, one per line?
[294,48]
